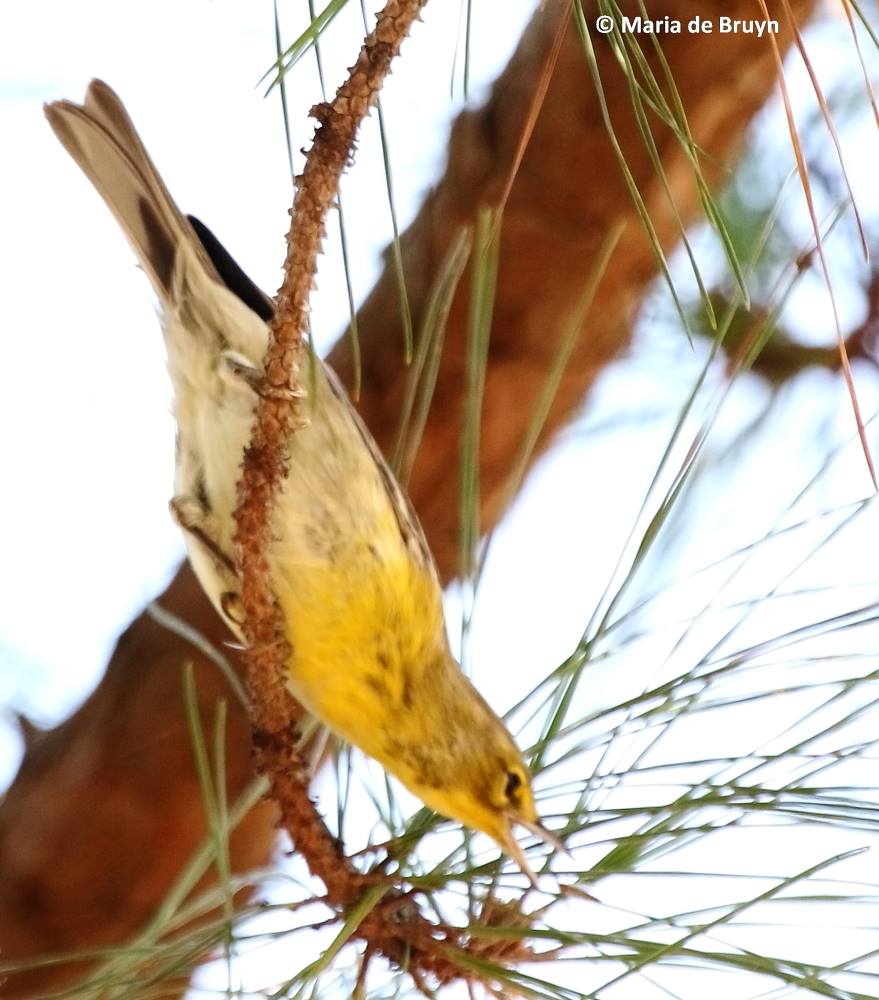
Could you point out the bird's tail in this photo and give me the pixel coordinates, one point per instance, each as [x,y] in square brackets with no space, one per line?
[103,141]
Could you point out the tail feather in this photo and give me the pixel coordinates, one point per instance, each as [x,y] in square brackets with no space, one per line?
[101,138]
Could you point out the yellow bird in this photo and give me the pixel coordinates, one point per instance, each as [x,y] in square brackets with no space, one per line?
[349,563]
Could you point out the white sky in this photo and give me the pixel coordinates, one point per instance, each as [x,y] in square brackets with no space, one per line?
[88,442]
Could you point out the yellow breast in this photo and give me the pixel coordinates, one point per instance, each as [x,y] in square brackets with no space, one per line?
[361,629]
[364,614]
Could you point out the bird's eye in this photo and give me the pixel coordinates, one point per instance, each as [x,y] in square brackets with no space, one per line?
[514,783]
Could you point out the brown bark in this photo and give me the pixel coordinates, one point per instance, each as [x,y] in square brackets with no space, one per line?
[568,194]
[106,808]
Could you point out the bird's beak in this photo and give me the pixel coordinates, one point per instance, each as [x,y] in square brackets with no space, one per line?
[513,849]
[545,836]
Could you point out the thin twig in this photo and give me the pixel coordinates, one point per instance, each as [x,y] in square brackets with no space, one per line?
[394,927]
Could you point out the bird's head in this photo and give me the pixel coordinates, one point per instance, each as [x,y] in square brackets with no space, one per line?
[493,793]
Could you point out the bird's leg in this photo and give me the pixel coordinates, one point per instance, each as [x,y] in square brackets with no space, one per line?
[199,523]
[238,369]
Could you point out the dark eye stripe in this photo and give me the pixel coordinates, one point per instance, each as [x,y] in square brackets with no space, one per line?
[514,782]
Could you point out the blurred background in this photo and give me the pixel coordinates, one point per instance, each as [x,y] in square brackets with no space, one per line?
[692,557]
